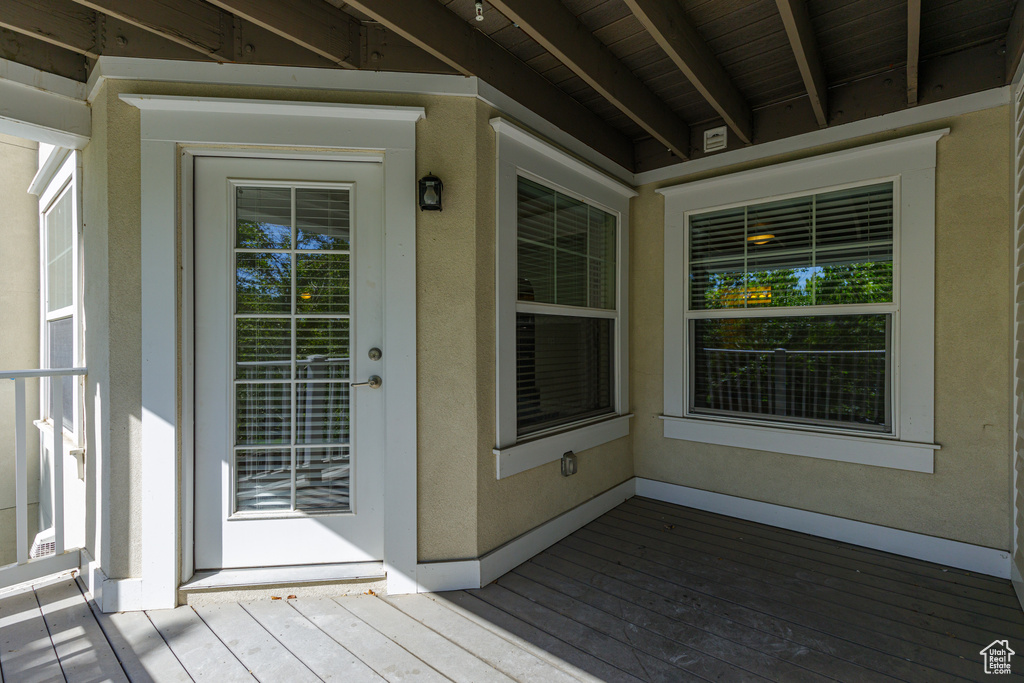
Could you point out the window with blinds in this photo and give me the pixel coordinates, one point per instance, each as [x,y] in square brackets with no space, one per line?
[566,312]
[790,309]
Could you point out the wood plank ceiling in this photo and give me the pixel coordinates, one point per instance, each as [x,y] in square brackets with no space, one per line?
[638,80]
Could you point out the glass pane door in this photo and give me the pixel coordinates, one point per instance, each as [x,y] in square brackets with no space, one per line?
[292,321]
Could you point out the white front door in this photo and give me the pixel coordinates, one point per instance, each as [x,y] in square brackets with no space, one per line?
[288,315]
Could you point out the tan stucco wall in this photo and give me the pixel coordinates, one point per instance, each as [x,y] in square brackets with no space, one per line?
[512,506]
[463,510]
[19,325]
[968,496]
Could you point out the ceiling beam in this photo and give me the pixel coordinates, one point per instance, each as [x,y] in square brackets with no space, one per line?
[913,49]
[559,31]
[313,24]
[798,25]
[443,34]
[671,29]
[58,22]
[192,23]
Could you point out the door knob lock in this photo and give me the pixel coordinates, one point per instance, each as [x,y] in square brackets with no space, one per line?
[375,354]
[375,382]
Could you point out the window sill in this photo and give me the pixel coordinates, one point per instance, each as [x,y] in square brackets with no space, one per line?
[864,450]
[529,454]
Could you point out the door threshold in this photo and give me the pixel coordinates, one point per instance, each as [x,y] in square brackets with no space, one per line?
[275,576]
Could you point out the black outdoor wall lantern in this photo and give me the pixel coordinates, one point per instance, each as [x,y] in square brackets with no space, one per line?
[430,193]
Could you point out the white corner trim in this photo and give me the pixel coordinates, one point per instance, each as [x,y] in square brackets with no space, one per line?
[222,105]
[111,595]
[514,132]
[904,154]
[987,99]
[466,574]
[975,558]
[436,577]
[864,450]
[526,455]
[41,106]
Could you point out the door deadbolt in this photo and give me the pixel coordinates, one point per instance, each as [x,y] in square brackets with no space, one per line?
[375,354]
[375,382]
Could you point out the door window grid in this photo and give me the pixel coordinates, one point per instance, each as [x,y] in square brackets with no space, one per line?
[292,415]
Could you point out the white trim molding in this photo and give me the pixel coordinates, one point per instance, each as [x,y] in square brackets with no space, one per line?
[311,78]
[526,455]
[974,558]
[900,455]
[909,163]
[522,154]
[980,101]
[41,106]
[167,123]
[477,573]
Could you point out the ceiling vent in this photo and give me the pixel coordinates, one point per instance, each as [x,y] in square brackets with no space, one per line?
[715,139]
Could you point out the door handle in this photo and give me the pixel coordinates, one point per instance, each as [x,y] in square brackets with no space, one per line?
[375,382]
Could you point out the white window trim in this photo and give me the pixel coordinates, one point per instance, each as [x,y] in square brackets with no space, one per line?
[911,161]
[59,180]
[520,153]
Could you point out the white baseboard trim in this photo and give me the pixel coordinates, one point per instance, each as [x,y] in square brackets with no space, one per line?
[1018,583]
[112,595]
[975,558]
[433,577]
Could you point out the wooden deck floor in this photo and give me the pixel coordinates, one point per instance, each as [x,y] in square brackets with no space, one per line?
[648,592]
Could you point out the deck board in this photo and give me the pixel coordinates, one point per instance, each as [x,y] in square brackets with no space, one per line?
[323,655]
[433,648]
[380,653]
[648,592]
[922,623]
[872,577]
[83,650]
[142,651]
[202,654]
[252,645]
[881,634]
[484,644]
[27,654]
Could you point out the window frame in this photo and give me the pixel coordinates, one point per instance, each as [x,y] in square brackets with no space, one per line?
[891,309]
[909,163]
[65,179]
[521,154]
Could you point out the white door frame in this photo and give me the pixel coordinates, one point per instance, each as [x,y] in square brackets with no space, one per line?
[173,131]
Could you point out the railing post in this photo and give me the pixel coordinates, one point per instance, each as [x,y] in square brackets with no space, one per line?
[20,471]
[57,415]
[781,396]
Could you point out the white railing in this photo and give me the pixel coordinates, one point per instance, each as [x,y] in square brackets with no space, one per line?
[25,568]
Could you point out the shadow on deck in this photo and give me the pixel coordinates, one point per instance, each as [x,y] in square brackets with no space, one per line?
[648,592]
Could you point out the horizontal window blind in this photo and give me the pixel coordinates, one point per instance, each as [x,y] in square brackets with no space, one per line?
[824,249]
[564,370]
[826,370]
[566,256]
[60,336]
[59,254]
